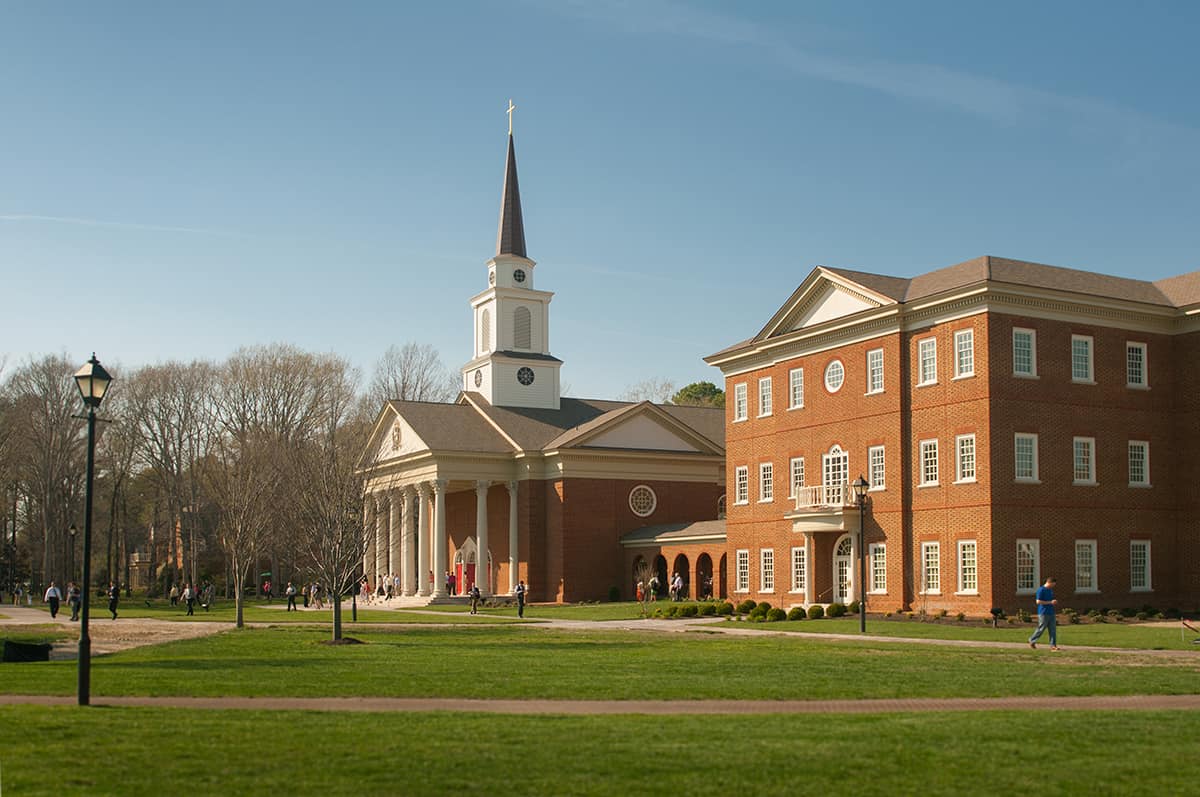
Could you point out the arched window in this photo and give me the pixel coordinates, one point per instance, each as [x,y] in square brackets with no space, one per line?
[721,508]
[485,333]
[521,328]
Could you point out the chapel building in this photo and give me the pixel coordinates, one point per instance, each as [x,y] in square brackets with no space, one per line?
[1012,420]
[515,482]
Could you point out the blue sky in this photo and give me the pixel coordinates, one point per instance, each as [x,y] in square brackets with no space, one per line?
[177,180]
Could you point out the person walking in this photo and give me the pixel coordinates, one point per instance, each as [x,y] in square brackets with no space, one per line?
[475,599]
[291,596]
[52,597]
[189,598]
[114,596]
[73,599]
[1046,617]
[520,598]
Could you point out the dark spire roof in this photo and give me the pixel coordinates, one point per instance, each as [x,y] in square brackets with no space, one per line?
[510,240]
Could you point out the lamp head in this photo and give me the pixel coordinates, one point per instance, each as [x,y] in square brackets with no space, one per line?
[92,381]
[860,486]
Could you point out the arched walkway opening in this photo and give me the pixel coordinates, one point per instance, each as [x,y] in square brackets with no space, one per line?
[638,575]
[723,578]
[660,570]
[704,576]
[680,569]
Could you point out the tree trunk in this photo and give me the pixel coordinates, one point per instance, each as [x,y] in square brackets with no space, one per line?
[337,617]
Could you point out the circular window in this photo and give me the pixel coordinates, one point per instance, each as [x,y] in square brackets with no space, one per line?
[478,377]
[835,375]
[491,278]
[525,376]
[518,276]
[642,501]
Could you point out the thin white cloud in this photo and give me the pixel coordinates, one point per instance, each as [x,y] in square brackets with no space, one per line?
[123,225]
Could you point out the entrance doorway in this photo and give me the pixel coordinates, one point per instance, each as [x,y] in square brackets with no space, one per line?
[704,576]
[843,566]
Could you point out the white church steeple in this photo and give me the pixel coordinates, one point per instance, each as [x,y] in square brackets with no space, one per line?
[511,364]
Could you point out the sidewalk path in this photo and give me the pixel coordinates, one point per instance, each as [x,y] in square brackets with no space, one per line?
[659,707]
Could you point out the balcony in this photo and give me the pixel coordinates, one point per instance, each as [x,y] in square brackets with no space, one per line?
[822,507]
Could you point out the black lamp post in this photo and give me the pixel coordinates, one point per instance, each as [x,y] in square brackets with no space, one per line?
[72,531]
[860,496]
[92,381]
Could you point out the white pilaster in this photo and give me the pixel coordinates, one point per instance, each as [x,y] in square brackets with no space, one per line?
[809,569]
[369,533]
[483,568]
[423,540]
[395,532]
[512,539]
[381,538]
[855,587]
[408,570]
[439,537]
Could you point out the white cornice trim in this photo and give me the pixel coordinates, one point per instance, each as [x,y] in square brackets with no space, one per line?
[655,543]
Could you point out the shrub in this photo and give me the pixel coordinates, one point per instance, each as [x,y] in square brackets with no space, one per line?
[1171,614]
[746,606]
[837,609]
[775,615]
[614,594]
[1128,611]
[690,610]
[657,612]
[725,609]
[708,609]
[1094,613]
[1143,616]
[796,613]
[671,611]
[942,613]
[816,612]
[960,617]
[853,607]
[1114,614]
[1023,615]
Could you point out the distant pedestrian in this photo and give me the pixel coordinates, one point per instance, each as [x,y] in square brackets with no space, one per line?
[207,595]
[449,583]
[1046,617]
[520,598]
[306,592]
[114,595]
[189,597]
[267,589]
[654,588]
[291,596]
[52,597]
[475,599]
[73,599]
[318,601]
[174,595]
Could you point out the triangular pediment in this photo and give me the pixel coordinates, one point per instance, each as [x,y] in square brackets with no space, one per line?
[639,427]
[824,296]
[392,437]
[641,432]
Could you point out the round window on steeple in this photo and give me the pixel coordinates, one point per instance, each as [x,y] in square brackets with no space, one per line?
[478,377]
[491,278]
[519,276]
[525,376]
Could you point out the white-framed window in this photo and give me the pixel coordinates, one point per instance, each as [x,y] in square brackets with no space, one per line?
[1084,449]
[929,463]
[742,573]
[1028,566]
[799,569]
[1025,447]
[964,353]
[1139,463]
[1082,359]
[835,470]
[795,475]
[766,569]
[795,388]
[877,556]
[741,408]
[927,357]
[875,371]
[764,396]
[968,567]
[964,458]
[1085,566]
[766,482]
[1139,566]
[931,568]
[835,375]
[1136,373]
[741,485]
[1024,351]
[876,470]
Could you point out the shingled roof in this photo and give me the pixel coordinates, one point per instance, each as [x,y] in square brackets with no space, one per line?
[451,427]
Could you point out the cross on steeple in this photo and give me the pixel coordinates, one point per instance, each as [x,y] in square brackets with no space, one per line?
[511,108]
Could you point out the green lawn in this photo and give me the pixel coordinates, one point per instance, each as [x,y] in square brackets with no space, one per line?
[1146,636]
[144,751]
[520,661]
[261,612]
[37,633]
[626,610]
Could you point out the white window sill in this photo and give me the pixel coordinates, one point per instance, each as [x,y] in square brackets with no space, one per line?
[878,489]
[1133,386]
[1027,481]
[967,592]
[766,500]
[1027,592]
[770,591]
[927,384]
[971,480]
[742,591]
[1140,485]
[1141,589]
[765,414]
[930,592]
[741,503]
[740,420]
[1025,376]
[1087,592]
[1082,381]
[923,485]
[877,592]
[873,392]
[796,591]
[797,407]
[1086,483]
[963,376]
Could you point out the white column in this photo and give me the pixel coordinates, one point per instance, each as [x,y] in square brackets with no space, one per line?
[483,569]
[439,537]
[423,540]
[369,532]
[512,538]
[408,573]
[395,533]
[809,568]
[381,538]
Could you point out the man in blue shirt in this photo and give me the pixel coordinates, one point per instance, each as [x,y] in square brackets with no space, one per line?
[1046,620]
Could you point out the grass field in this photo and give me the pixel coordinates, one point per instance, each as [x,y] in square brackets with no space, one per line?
[144,751]
[259,612]
[519,661]
[47,632]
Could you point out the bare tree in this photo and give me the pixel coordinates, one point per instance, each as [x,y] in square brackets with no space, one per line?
[658,391]
[412,372]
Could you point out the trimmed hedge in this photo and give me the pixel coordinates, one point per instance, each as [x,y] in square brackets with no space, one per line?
[816,611]
[837,609]
[746,606]
[796,613]
[775,615]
